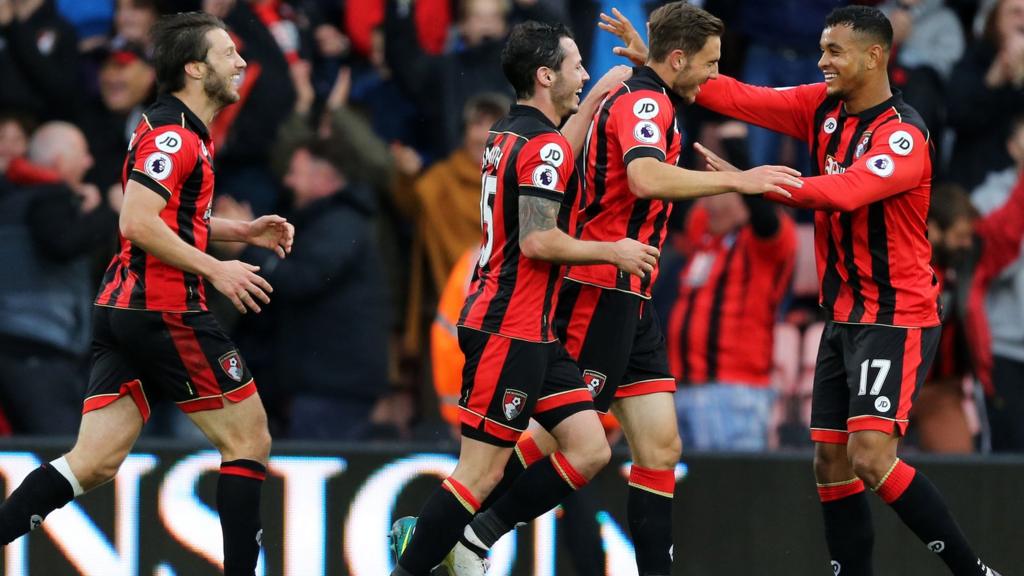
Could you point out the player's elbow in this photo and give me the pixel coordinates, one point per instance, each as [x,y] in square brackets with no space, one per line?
[533,246]
[129,226]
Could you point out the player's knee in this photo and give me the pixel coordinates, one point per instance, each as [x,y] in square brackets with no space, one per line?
[831,464]
[590,458]
[870,466]
[663,453]
[251,444]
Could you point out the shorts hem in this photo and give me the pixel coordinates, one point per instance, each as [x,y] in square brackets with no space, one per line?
[877,424]
[825,436]
[131,388]
[645,387]
[561,399]
[487,430]
[217,402]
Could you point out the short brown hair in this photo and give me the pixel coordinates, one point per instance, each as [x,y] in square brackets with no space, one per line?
[681,26]
[179,39]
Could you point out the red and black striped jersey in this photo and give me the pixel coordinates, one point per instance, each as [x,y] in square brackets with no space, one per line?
[513,295]
[871,188]
[721,325]
[638,120]
[170,153]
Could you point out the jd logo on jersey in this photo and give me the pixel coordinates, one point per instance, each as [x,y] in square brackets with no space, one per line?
[594,381]
[513,403]
[231,363]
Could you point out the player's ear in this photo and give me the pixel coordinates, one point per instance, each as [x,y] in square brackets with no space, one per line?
[876,57]
[677,58]
[194,70]
[545,76]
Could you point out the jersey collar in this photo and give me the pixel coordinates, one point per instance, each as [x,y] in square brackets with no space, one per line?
[646,74]
[524,110]
[188,117]
[871,113]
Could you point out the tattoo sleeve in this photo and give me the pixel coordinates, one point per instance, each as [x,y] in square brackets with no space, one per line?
[537,214]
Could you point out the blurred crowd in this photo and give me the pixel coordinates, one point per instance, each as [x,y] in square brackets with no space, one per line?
[364,121]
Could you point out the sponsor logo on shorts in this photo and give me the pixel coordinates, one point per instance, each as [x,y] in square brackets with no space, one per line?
[513,403]
[35,522]
[231,363]
[594,381]
[937,546]
[882,404]
[836,568]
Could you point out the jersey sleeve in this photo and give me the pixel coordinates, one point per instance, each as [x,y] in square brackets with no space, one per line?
[544,166]
[640,122]
[163,158]
[787,110]
[896,162]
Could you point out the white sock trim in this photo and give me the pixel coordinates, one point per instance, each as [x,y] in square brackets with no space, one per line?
[61,465]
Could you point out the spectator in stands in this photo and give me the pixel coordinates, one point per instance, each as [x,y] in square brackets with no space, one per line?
[740,254]
[127,83]
[133,20]
[928,41]
[38,60]
[50,222]
[783,52]
[938,413]
[999,288]
[330,301]
[14,130]
[443,84]
[446,211]
[988,91]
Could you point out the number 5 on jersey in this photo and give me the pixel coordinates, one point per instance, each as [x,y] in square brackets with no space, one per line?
[490,189]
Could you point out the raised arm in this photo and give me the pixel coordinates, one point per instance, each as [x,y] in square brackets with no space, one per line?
[576,127]
[786,110]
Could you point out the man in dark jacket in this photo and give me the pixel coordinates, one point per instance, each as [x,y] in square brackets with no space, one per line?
[50,223]
[330,303]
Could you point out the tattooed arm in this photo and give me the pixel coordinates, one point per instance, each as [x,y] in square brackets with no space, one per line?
[540,239]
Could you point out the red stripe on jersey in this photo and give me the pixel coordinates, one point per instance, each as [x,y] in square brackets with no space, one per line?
[191,354]
[721,326]
[516,296]
[871,188]
[638,120]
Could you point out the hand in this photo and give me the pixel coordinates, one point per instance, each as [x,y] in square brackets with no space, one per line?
[272,232]
[612,78]
[231,209]
[634,48]
[239,282]
[301,72]
[89,195]
[338,97]
[331,42]
[407,160]
[756,180]
[714,162]
[634,257]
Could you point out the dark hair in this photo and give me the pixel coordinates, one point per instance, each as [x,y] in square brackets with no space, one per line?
[865,20]
[681,26]
[24,120]
[530,46]
[949,203]
[179,39]
[485,105]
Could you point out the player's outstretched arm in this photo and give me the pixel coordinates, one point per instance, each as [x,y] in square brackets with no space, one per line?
[651,178]
[540,239]
[576,127]
[141,224]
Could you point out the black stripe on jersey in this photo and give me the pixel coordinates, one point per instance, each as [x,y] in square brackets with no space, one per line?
[147,181]
[857,311]
[498,305]
[492,139]
[637,218]
[826,106]
[137,264]
[878,245]
[601,160]
[831,282]
[189,195]
[567,298]
[684,337]
[715,316]
[656,237]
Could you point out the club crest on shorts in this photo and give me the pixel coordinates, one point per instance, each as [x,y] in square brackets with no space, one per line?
[512,404]
[231,363]
[594,381]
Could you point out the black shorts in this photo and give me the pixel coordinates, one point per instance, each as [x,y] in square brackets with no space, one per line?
[866,378]
[617,341]
[184,357]
[506,381]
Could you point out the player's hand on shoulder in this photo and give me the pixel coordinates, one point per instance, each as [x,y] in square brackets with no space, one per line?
[634,257]
[612,78]
[240,283]
[764,179]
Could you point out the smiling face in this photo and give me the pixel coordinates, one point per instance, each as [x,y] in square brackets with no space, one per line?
[224,68]
[569,80]
[696,70]
[844,60]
